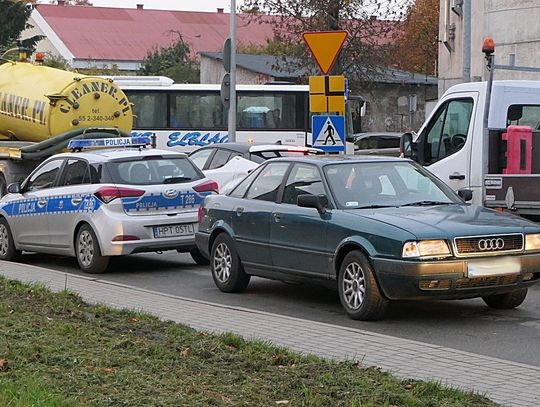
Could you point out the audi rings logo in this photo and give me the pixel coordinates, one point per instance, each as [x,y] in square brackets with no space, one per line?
[491,244]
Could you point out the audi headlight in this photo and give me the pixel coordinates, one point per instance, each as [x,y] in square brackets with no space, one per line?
[426,248]
[532,241]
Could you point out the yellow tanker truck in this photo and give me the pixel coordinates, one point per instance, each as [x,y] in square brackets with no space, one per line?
[42,109]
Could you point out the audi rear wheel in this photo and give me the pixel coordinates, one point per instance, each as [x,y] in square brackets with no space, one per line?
[227,270]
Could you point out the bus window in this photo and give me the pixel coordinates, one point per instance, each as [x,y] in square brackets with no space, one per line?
[192,110]
[150,110]
[271,110]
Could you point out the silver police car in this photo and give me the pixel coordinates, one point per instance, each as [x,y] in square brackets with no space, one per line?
[93,204]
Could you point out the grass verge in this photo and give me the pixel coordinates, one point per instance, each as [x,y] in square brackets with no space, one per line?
[56,350]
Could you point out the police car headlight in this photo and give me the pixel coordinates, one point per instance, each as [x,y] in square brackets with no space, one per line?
[532,241]
[426,249]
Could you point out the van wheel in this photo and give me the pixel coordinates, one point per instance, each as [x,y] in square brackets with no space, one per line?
[8,251]
[509,300]
[88,252]
[227,270]
[199,258]
[358,290]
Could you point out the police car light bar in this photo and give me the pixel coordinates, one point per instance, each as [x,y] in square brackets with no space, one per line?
[109,142]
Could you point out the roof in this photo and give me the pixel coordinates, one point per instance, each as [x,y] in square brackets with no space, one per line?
[106,154]
[338,158]
[289,68]
[107,33]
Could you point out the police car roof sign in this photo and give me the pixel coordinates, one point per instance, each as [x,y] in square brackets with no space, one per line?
[325,47]
[109,142]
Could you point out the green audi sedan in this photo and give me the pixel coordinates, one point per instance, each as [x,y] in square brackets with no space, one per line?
[382,229]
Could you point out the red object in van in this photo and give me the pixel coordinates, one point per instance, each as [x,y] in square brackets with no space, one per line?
[518,150]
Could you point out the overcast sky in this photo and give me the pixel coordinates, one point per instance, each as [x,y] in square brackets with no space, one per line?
[188,5]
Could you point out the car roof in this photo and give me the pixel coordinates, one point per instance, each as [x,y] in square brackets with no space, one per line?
[255,147]
[100,155]
[321,160]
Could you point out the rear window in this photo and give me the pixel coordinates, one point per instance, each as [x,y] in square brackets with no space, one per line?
[153,171]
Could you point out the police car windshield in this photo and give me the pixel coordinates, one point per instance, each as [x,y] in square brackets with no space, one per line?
[153,171]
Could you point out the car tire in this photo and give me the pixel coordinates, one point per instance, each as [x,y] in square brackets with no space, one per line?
[88,252]
[509,300]
[227,270]
[8,251]
[199,258]
[358,291]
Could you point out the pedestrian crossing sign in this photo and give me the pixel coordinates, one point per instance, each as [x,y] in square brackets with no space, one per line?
[328,132]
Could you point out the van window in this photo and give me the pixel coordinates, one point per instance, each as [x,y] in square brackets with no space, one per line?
[524,115]
[447,133]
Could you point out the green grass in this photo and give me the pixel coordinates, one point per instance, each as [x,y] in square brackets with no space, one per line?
[55,350]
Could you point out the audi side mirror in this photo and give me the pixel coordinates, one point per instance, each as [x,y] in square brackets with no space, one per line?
[465,194]
[406,145]
[319,202]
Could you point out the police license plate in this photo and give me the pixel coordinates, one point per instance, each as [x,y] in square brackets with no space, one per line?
[493,267]
[184,229]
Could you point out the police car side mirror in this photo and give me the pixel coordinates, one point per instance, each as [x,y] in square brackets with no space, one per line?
[14,188]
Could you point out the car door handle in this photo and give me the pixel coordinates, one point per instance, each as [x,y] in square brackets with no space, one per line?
[41,203]
[239,211]
[76,200]
[456,176]
[277,217]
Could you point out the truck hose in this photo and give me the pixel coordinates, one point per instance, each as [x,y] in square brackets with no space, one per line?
[58,143]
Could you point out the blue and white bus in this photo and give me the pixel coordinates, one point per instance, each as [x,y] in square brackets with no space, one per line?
[188,116]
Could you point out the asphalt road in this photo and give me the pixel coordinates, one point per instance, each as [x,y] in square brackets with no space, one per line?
[468,325]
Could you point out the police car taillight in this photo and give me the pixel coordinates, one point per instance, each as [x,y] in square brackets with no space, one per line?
[108,194]
[207,186]
[200,214]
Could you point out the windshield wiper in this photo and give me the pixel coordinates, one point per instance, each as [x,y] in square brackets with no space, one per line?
[428,203]
[174,180]
[374,206]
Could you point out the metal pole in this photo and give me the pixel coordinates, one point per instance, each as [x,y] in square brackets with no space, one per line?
[467,40]
[232,107]
[485,139]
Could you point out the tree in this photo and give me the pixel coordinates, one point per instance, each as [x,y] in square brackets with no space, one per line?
[14,15]
[371,25]
[418,49]
[174,62]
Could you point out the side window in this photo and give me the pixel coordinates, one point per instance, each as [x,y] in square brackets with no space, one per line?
[76,173]
[303,179]
[524,115]
[44,177]
[448,132]
[240,190]
[200,157]
[266,185]
[220,158]
[149,109]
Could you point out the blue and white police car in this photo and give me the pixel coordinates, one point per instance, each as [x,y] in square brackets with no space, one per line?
[96,203]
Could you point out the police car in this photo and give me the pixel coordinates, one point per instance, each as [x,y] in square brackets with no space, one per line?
[93,204]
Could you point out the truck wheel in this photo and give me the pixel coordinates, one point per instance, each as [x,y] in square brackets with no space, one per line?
[227,270]
[88,252]
[7,245]
[198,257]
[358,290]
[509,300]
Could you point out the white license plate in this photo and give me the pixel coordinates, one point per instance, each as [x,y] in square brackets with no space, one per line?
[493,267]
[185,229]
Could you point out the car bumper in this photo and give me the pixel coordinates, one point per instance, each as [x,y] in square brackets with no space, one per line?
[450,279]
[202,240]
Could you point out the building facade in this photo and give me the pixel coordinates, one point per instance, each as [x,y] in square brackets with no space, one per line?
[513,25]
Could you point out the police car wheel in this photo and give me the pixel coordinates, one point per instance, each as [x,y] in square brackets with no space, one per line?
[88,252]
[7,245]
[199,258]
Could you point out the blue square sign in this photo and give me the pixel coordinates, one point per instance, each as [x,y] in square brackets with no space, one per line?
[328,132]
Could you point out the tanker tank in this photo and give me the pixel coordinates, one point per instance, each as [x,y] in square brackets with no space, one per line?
[39,102]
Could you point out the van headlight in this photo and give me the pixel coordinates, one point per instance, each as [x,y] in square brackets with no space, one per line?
[426,249]
[532,241]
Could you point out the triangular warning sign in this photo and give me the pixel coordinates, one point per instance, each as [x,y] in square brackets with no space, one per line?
[328,136]
[325,47]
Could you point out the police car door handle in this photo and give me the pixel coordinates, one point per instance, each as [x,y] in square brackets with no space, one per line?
[41,203]
[76,200]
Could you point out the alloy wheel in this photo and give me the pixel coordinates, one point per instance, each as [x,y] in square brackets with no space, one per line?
[222,262]
[4,240]
[354,285]
[86,248]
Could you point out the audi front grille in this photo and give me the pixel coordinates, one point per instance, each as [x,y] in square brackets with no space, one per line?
[488,245]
